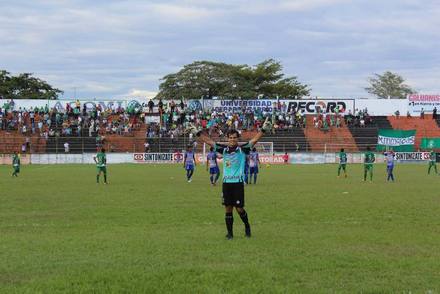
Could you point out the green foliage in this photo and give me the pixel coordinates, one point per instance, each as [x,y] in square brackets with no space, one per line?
[388,85]
[25,86]
[149,231]
[209,79]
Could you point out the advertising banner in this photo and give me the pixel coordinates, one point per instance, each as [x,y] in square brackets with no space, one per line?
[309,106]
[398,140]
[60,105]
[7,159]
[412,156]
[418,101]
[312,106]
[430,143]
[158,157]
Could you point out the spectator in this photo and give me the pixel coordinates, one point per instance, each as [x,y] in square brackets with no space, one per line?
[422,113]
[150,105]
[66,147]
[146,147]
[434,113]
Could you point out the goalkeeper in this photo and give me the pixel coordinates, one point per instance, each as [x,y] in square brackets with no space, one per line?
[234,157]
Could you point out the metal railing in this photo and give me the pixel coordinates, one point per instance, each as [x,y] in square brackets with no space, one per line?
[136,145]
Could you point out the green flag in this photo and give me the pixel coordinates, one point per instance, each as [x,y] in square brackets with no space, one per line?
[430,143]
[399,140]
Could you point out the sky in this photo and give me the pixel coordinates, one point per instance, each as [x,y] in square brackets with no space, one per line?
[121,49]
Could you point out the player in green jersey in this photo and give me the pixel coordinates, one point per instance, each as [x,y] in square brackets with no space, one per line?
[342,162]
[432,162]
[16,164]
[368,164]
[101,162]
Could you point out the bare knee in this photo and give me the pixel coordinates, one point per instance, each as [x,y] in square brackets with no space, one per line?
[229,209]
[239,209]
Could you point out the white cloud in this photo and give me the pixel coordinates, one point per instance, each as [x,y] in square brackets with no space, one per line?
[180,13]
[118,48]
[137,93]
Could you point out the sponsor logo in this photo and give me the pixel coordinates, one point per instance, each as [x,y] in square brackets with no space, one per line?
[138,156]
[392,141]
[413,156]
[311,106]
[194,105]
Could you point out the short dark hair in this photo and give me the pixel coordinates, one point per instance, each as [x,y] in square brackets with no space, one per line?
[211,149]
[102,150]
[368,148]
[342,149]
[233,132]
[254,149]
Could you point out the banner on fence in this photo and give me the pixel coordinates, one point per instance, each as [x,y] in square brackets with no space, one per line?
[417,102]
[412,156]
[309,106]
[398,140]
[430,143]
[158,157]
[7,159]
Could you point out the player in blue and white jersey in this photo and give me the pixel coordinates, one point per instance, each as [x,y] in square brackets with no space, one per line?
[189,162]
[389,158]
[254,161]
[212,164]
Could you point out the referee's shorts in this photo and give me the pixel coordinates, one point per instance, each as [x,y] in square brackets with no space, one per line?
[233,194]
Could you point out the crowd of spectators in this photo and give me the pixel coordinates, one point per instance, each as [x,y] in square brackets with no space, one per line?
[70,121]
[164,119]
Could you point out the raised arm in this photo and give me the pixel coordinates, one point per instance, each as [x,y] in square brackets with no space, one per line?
[257,137]
[206,139]
[267,126]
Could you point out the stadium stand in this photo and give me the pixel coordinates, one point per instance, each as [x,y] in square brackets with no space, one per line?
[367,136]
[127,130]
[426,127]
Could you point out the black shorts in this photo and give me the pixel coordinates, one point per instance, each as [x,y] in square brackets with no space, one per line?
[233,194]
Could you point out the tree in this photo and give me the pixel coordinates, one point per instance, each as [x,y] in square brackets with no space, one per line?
[25,86]
[209,79]
[389,85]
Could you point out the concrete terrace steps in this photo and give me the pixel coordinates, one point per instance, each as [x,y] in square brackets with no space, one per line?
[427,127]
[12,141]
[332,140]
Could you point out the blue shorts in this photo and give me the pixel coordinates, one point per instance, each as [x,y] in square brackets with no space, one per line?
[189,166]
[214,170]
[254,170]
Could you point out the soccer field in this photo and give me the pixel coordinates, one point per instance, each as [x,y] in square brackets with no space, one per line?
[149,231]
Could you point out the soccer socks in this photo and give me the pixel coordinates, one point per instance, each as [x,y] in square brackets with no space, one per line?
[216,177]
[105,178]
[211,177]
[189,174]
[244,217]
[255,178]
[229,220]
[247,227]
[97,179]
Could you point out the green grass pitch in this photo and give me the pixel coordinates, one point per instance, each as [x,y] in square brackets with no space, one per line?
[149,231]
